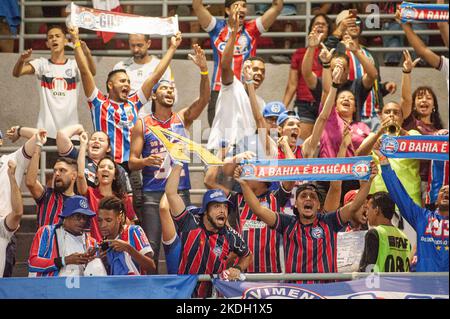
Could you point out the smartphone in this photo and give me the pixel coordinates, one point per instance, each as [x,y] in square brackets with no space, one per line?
[353,13]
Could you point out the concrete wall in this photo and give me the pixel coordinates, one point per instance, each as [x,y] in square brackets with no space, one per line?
[19,98]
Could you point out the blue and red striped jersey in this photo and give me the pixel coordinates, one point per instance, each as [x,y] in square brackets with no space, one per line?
[245,46]
[49,206]
[116,119]
[135,236]
[262,241]
[154,178]
[205,252]
[297,152]
[310,248]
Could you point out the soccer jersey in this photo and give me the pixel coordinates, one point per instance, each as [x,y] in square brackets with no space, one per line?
[297,152]
[58,86]
[431,227]
[245,46]
[94,197]
[138,73]
[205,252]
[116,119]
[303,92]
[49,206]
[21,159]
[154,178]
[262,241]
[172,251]
[135,236]
[310,248]
[5,236]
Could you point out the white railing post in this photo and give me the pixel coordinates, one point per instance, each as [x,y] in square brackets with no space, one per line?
[22,27]
[307,20]
[165,12]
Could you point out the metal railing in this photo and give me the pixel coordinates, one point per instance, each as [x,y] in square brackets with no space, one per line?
[164,5]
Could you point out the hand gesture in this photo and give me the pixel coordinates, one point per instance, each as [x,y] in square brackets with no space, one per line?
[12,168]
[350,44]
[347,136]
[442,132]
[41,136]
[199,58]
[373,170]
[346,23]
[84,139]
[408,63]
[391,87]
[235,15]
[237,174]
[26,54]
[119,245]
[85,48]
[13,133]
[314,39]
[384,125]
[153,160]
[78,259]
[175,41]
[233,273]
[283,142]
[74,34]
[325,55]
[336,76]
[248,71]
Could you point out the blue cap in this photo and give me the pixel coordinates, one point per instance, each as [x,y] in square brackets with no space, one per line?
[157,85]
[214,196]
[286,115]
[76,204]
[274,108]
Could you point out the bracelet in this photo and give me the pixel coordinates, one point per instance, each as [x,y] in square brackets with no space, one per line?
[326,65]
[249,82]
[18,131]
[77,44]
[63,261]
[39,144]
[335,85]
[204,73]
[406,72]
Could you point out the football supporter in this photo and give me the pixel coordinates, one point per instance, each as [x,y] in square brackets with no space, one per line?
[245,41]
[58,84]
[122,238]
[431,226]
[306,102]
[120,101]
[108,185]
[22,158]
[309,237]
[50,200]
[99,146]
[141,65]
[386,248]
[206,240]
[66,248]
[10,222]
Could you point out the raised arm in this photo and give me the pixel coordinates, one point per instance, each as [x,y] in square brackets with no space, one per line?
[270,16]
[406,100]
[228,52]
[63,136]
[325,57]
[82,185]
[23,67]
[167,225]
[192,112]
[203,15]
[310,77]
[136,162]
[90,59]
[232,162]
[212,172]
[265,214]
[35,187]
[86,75]
[13,218]
[416,42]
[291,88]
[150,82]
[176,203]
[351,208]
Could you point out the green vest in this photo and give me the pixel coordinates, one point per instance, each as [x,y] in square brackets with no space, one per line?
[394,249]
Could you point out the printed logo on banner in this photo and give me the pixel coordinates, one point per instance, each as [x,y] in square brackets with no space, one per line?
[361,168]
[317,232]
[87,20]
[389,145]
[409,13]
[280,292]
[248,170]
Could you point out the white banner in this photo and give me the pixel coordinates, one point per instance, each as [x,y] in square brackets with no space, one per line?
[350,247]
[108,21]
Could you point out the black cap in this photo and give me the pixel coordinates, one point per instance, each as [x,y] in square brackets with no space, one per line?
[228,3]
[310,186]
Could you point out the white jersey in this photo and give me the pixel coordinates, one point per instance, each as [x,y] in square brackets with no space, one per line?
[138,73]
[5,188]
[444,69]
[5,237]
[58,90]
[234,118]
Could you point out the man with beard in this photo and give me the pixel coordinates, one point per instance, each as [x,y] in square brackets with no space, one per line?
[141,65]
[207,241]
[308,228]
[432,227]
[64,249]
[245,41]
[150,155]
[117,112]
[49,200]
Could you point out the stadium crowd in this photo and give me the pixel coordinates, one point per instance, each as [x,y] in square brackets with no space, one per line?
[117,195]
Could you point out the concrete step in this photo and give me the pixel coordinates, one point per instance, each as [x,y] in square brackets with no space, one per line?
[24,241]
[28,224]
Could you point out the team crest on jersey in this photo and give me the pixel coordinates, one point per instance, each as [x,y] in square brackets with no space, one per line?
[389,145]
[279,292]
[317,232]
[69,73]
[218,250]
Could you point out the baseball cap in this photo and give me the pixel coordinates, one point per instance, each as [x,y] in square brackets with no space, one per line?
[344,14]
[286,115]
[157,85]
[274,108]
[76,204]
[228,3]
[214,196]
[309,186]
[350,196]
